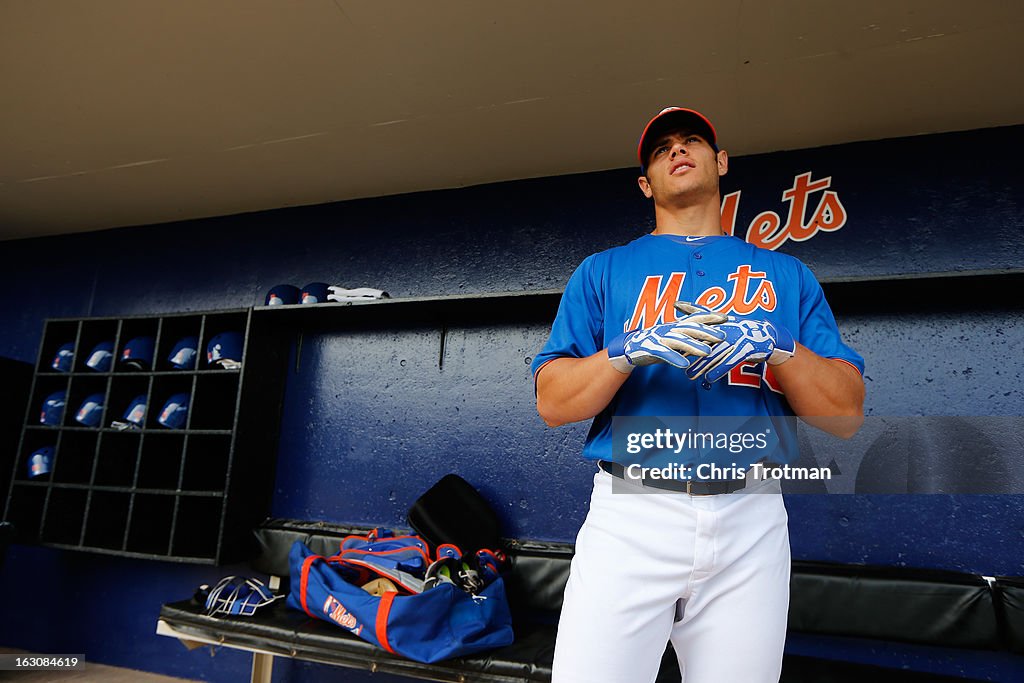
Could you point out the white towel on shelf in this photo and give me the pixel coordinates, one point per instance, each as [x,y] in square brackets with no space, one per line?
[339,293]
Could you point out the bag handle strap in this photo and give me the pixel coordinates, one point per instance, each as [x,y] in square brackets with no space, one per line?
[304,581]
[383,610]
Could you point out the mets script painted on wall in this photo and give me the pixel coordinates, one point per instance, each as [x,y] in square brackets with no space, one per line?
[767,229]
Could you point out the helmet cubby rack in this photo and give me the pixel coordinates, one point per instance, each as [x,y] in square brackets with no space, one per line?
[136,431]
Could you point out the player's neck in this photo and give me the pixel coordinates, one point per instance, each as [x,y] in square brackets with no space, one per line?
[704,218]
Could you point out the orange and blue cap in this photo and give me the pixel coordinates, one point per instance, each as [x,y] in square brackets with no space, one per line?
[668,119]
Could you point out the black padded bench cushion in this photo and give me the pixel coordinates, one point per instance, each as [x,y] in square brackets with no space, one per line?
[929,607]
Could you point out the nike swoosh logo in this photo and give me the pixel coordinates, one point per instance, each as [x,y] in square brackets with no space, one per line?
[694,239]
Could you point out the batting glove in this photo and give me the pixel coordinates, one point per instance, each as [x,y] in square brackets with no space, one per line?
[746,341]
[670,343]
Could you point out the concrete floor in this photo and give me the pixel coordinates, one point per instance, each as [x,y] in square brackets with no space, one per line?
[91,673]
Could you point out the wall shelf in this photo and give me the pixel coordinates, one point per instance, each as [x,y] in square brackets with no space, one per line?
[455,309]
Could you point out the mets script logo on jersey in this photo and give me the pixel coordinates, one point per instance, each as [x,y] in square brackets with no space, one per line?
[337,613]
[748,290]
[767,229]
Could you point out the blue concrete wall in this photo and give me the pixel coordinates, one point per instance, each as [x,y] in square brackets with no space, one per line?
[371,420]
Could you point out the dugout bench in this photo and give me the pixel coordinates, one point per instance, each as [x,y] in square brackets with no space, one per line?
[937,608]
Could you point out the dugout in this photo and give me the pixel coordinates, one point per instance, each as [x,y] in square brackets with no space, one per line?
[162,160]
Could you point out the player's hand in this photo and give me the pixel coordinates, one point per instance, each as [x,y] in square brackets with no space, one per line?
[671,343]
[746,341]
[699,314]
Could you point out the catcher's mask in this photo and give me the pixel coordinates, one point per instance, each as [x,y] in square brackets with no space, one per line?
[235,595]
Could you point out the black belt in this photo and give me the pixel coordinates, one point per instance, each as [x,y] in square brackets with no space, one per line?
[694,488]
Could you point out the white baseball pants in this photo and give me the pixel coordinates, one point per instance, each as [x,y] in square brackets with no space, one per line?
[725,557]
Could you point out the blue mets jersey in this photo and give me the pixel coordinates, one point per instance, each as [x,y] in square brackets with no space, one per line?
[635,286]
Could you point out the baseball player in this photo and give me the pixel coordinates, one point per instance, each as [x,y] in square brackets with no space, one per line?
[687,321]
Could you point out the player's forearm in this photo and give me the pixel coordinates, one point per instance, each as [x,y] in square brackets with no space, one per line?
[824,392]
[574,389]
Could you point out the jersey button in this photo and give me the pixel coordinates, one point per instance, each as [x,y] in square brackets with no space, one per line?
[700,273]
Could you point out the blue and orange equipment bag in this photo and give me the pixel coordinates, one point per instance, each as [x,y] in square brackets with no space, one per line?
[424,625]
